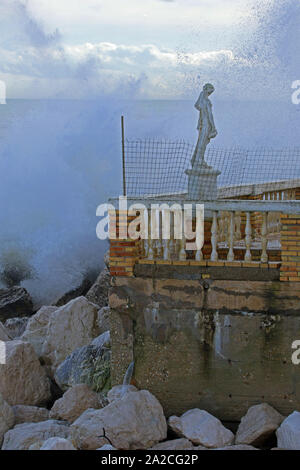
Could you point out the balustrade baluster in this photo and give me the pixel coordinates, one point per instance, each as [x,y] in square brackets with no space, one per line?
[248,233]
[230,255]
[214,237]
[264,241]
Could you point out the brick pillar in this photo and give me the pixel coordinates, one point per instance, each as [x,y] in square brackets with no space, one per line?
[290,248]
[124,253]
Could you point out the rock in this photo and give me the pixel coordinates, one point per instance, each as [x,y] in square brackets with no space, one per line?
[7,418]
[57,443]
[288,434]
[117,392]
[72,326]
[89,364]
[106,258]
[23,381]
[107,447]
[36,446]
[98,293]
[36,328]
[4,336]
[103,319]
[258,425]
[201,428]
[30,414]
[22,436]
[74,402]
[237,447]
[176,444]
[136,421]
[74,293]
[15,302]
[16,326]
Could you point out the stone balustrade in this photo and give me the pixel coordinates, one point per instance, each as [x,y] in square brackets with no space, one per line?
[236,233]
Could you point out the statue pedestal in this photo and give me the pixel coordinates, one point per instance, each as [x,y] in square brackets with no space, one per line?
[202,183]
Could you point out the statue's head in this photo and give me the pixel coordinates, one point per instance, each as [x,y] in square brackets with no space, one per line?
[208,88]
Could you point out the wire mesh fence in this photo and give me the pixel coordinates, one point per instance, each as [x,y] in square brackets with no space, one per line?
[157,168]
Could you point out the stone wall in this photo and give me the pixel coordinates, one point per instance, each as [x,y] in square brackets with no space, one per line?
[208,337]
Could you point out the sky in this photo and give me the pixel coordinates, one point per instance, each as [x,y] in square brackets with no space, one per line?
[148,49]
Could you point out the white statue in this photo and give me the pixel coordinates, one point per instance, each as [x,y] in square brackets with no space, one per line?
[206,126]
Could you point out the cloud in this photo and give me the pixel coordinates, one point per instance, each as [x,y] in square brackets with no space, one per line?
[106,65]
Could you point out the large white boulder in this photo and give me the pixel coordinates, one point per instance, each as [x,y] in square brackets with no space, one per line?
[70,327]
[74,402]
[57,443]
[288,434]
[7,417]
[30,414]
[136,421]
[259,423]
[23,380]
[201,428]
[36,328]
[22,436]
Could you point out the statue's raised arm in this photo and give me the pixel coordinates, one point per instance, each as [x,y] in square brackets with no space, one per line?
[206,125]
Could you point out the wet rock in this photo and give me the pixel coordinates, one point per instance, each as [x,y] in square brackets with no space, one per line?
[201,428]
[259,423]
[22,379]
[15,302]
[74,293]
[74,402]
[288,434]
[22,436]
[98,293]
[89,365]
[136,421]
[72,326]
[30,414]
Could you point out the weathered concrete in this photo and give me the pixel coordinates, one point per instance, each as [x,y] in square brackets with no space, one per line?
[217,345]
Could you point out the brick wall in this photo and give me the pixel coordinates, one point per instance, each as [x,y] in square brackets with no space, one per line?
[290,245]
[125,252]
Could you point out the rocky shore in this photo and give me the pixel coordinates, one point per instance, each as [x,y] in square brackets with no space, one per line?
[55,389]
